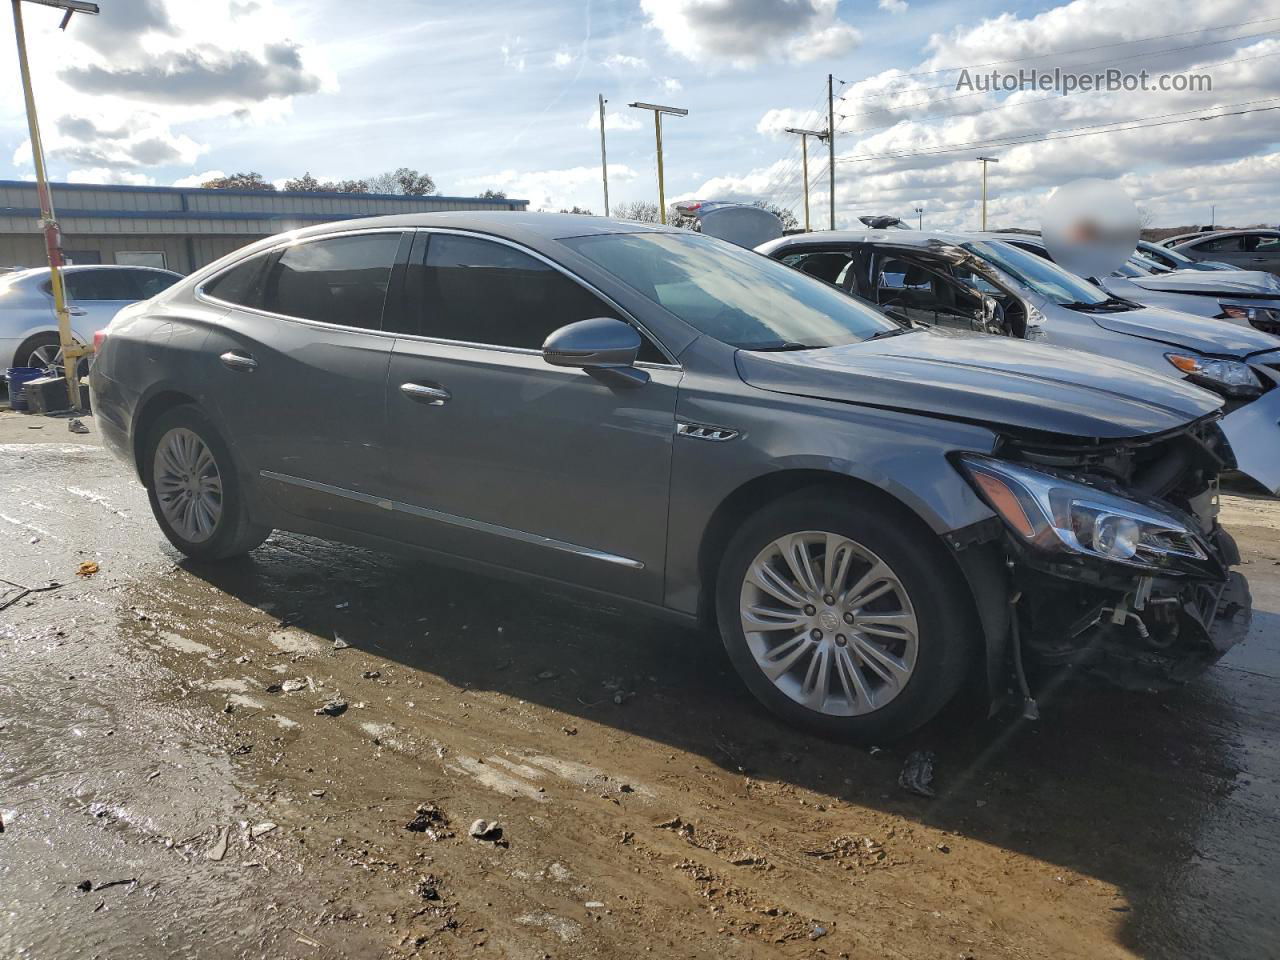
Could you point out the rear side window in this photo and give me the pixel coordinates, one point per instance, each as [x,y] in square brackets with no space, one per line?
[147,283]
[86,285]
[242,284]
[341,280]
[478,291]
[1221,244]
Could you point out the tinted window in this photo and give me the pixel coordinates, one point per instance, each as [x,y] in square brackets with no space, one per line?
[735,295]
[242,284]
[829,266]
[478,291]
[84,285]
[147,283]
[342,280]
[1223,244]
[1260,241]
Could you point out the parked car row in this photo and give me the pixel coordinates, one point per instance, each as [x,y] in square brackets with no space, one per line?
[817,450]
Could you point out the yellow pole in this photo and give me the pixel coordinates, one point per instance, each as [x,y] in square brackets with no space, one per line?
[71,353]
[662,192]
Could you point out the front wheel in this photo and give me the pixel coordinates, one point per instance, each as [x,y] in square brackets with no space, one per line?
[845,619]
[194,490]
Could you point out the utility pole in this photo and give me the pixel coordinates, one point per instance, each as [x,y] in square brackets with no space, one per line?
[604,163]
[831,147]
[984,161]
[919,211]
[804,154]
[658,111]
[71,351]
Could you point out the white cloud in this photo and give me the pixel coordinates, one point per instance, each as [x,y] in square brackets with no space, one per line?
[893,6]
[622,61]
[613,120]
[671,85]
[563,60]
[512,51]
[775,122]
[553,189]
[746,33]
[108,175]
[196,179]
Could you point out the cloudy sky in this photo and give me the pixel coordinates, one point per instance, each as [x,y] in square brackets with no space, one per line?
[502,94]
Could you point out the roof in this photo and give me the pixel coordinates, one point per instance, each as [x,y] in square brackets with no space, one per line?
[897,238]
[310,195]
[516,224]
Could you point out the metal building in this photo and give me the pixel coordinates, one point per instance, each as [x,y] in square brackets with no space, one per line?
[183,228]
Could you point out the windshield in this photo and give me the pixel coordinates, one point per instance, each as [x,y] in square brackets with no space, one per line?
[1043,276]
[737,296]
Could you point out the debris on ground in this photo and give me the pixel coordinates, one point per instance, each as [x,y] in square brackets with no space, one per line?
[371,674]
[429,819]
[489,830]
[333,708]
[288,686]
[339,643]
[261,829]
[818,932]
[84,886]
[917,773]
[428,888]
[87,568]
[77,426]
[219,848]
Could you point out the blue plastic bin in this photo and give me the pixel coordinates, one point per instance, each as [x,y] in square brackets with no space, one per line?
[18,377]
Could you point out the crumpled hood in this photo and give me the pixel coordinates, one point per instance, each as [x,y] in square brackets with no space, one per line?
[988,380]
[1198,334]
[1226,282]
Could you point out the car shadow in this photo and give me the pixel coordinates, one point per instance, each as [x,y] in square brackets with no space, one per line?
[1117,786]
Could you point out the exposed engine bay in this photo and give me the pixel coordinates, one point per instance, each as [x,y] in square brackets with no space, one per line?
[1144,597]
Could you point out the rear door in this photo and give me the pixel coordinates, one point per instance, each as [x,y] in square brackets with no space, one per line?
[1262,252]
[94,297]
[297,368]
[500,457]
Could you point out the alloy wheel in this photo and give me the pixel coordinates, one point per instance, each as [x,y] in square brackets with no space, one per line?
[829,623]
[188,484]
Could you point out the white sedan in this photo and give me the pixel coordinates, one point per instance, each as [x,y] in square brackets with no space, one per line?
[28,325]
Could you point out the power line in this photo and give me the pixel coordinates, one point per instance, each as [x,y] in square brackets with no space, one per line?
[1100,46]
[1093,63]
[1022,103]
[1019,140]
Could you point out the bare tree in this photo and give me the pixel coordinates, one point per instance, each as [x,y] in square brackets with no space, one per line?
[493,195]
[239,181]
[577,209]
[787,216]
[642,210]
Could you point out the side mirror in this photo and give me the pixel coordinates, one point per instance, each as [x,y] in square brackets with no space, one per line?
[604,347]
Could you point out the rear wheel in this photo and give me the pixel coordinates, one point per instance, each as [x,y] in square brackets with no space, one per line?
[44,351]
[846,620]
[194,489]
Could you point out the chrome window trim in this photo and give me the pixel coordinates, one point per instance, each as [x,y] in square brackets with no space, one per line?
[564,271]
[467,523]
[203,297]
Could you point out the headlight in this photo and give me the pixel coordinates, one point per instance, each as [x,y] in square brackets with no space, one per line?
[1263,318]
[1231,378]
[1053,514]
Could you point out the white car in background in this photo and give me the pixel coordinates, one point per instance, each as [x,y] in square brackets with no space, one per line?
[29,327]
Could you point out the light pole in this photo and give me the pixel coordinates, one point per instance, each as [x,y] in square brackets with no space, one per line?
[984,161]
[919,211]
[804,154]
[604,163]
[71,351]
[658,111]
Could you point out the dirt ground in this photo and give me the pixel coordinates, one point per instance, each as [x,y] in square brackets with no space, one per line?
[167,792]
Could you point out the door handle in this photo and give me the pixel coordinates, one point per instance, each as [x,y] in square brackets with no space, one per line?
[431,396]
[77,311]
[239,361]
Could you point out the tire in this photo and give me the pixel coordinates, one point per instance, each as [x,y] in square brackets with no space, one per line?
[926,647]
[42,350]
[196,468]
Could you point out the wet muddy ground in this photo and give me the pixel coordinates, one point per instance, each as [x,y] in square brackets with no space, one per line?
[158,726]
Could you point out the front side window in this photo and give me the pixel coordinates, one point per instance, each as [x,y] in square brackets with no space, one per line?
[338,280]
[474,290]
[145,284]
[732,294]
[1220,245]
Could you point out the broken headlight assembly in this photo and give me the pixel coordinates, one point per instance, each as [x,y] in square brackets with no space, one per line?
[1230,378]
[1054,515]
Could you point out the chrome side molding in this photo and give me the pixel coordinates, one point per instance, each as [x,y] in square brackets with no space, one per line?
[466,522]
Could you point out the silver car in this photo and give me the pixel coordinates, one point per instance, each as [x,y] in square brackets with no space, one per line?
[29,327]
[872,515]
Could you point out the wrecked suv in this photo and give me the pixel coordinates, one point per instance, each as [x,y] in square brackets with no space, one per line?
[872,515]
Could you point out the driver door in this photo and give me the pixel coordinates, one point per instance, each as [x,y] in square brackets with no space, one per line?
[499,457]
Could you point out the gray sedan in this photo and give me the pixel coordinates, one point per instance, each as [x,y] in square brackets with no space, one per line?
[872,515]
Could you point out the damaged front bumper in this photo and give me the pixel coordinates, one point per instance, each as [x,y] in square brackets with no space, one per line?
[1253,433]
